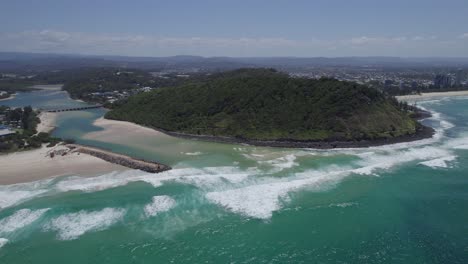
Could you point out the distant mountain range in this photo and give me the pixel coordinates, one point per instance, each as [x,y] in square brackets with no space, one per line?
[15,61]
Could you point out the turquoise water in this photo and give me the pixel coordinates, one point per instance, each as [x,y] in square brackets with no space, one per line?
[405,203]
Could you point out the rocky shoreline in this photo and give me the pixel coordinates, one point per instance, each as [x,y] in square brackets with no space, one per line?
[422,133]
[122,160]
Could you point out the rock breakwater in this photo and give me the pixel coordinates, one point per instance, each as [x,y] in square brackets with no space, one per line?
[123,160]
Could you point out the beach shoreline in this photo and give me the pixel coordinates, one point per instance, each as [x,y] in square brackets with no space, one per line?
[423,96]
[48,122]
[12,96]
[422,133]
[114,129]
[48,87]
[38,164]
[67,160]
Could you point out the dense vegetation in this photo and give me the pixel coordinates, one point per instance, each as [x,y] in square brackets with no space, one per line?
[262,104]
[104,80]
[16,85]
[81,83]
[24,121]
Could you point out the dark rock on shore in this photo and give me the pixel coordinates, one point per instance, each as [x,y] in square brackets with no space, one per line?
[126,161]
[422,132]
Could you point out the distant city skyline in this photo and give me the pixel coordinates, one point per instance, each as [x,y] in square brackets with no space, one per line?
[260,28]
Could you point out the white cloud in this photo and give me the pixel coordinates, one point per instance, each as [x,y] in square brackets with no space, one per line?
[463,36]
[423,38]
[377,40]
[151,45]
[76,42]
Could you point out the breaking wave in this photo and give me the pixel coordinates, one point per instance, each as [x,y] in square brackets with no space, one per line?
[3,241]
[73,225]
[197,153]
[255,191]
[443,162]
[162,203]
[15,194]
[261,199]
[20,219]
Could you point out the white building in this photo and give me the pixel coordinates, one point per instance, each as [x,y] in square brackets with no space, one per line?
[5,131]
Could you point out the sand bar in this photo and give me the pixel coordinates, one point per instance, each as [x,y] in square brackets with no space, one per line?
[115,131]
[47,122]
[49,87]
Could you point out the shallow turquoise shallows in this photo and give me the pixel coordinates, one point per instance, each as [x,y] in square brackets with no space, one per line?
[404,203]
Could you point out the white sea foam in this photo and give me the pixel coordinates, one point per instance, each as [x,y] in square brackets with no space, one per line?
[198,177]
[211,177]
[440,130]
[20,219]
[73,225]
[442,162]
[93,184]
[258,155]
[13,197]
[197,153]
[388,160]
[458,143]
[282,163]
[162,203]
[3,242]
[15,194]
[342,205]
[261,200]
[234,189]
[257,201]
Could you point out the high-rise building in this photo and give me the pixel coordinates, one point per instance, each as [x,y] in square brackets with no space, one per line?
[442,81]
[388,83]
[459,77]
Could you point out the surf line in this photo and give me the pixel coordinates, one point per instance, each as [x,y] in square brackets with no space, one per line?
[123,160]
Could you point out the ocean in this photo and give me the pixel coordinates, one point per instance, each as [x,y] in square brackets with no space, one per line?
[222,203]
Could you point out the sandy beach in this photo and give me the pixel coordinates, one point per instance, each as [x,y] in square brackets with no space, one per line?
[115,131]
[12,96]
[431,95]
[47,122]
[37,164]
[50,87]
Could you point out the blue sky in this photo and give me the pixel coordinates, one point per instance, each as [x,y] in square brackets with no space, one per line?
[411,28]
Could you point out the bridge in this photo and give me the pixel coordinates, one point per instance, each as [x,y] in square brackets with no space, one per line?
[78,108]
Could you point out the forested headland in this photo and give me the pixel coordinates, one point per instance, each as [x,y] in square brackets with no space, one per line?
[266,105]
